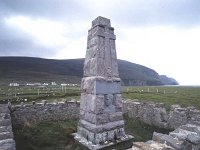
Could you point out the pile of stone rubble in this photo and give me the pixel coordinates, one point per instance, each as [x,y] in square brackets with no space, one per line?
[186,137]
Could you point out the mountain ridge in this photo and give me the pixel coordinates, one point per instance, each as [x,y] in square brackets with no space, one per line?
[33,69]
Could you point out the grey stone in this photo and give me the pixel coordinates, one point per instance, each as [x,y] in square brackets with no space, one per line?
[151,145]
[101,127]
[4,108]
[194,138]
[5,135]
[101,21]
[5,122]
[97,85]
[7,144]
[171,141]
[191,127]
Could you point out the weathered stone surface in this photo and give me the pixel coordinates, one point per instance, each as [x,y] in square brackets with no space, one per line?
[6,134]
[101,116]
[156,114]
[8,144]
[180,116]
[194,138]
[101,59]
[99,85]
[150,113]
[151,145]
[32,114]
[171,141]
[186,137]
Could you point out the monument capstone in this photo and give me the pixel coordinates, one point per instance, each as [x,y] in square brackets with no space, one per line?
[101,123]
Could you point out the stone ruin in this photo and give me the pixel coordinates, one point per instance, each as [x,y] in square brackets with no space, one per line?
[101,121]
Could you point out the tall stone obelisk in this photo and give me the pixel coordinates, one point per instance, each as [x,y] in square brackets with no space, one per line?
[101,121]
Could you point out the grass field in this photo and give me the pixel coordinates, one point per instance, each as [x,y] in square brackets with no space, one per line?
[57,135]
[169,95]
[38,93]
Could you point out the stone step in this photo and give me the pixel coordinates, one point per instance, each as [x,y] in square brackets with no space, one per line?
[5,135]
[8,144]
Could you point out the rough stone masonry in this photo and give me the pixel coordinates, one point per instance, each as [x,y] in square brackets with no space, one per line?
[101,119]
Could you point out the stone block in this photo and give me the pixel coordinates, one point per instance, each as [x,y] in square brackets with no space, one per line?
[118,102]
[194,138]
[92,85]
[8,144]
[101,21]
[88,116]
[92,103]
[103,87]
[191,127]
[5,122]
[151,145]
[115,116]
[4,108]
[5,135]
[171,141]
[101,127]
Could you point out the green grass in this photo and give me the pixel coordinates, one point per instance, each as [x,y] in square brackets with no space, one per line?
[56,135]
[47,136]
[169,95]
[36,93]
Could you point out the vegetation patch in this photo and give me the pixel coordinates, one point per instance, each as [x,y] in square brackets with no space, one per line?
[169,95]
[57,135]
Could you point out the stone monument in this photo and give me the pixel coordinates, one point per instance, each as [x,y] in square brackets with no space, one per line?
[101,124]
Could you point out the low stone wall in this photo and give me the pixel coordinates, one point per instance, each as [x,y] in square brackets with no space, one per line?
[180,116]
[43,112]
[148,112]
[6,134]
[156,114]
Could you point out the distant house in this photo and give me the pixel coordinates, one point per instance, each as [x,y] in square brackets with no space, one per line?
[33,84]
[13,84]
[45,84]
[53,83]
[67,84]
[64,84]
[29,84]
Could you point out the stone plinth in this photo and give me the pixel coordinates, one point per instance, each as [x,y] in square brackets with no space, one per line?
[101,121]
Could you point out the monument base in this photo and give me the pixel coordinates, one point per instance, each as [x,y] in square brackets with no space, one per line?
[125,143]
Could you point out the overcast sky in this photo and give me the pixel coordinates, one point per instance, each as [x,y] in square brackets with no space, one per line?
[159,34]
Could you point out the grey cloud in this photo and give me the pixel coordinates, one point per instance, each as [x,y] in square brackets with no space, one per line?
[24,47]
[183,13]
[17,43]
[158,12]
[52,9]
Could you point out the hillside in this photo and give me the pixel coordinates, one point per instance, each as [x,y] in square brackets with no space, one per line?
[29,69]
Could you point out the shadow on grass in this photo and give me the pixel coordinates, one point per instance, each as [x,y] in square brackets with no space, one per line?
[57,135]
